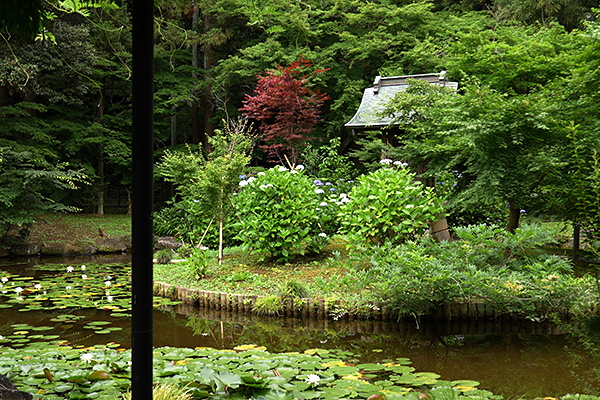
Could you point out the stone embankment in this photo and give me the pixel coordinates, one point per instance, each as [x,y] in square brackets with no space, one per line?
[99,245]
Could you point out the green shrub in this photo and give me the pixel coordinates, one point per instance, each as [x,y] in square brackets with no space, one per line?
[508,271]
[388,206]
[198,262]
[269,305]
[325,163]
[278,214]
[164,256]
[292,289]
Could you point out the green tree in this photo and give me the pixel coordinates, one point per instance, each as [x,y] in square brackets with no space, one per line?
[497,135]
[209,182]
[29,186]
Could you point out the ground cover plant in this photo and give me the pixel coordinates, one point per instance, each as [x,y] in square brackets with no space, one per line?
[513,273]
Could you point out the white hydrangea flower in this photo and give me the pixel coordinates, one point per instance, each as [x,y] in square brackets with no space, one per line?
[342,195]
[243,183]
[386,161]
[299,167]
[323,234]
[281,168]
[323,204]
[319,191]
[261,173]
[251,179]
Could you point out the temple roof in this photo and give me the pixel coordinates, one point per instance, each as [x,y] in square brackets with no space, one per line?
[384,89]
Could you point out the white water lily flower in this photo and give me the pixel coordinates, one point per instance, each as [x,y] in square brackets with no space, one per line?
[4,279]
[68,288]
[19,289]
[109,298]
[83,267]
[70,269]
[84,276]
[312,379]
[107,283]
[87,357]
[38,286]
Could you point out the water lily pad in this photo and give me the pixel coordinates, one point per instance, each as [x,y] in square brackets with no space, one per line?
[42,328]
[99,323]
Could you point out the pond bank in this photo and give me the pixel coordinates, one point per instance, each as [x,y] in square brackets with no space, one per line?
[319,308]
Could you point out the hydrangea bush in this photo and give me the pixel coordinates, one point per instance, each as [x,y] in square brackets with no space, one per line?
[388,206]
[279,214]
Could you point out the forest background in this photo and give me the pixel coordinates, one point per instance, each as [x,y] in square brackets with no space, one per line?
[525,125]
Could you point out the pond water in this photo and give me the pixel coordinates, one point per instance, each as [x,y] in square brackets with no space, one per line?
[508,358]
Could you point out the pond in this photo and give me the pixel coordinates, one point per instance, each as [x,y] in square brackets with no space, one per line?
[508,358]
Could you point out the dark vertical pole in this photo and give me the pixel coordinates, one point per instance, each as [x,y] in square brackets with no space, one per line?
[143,161]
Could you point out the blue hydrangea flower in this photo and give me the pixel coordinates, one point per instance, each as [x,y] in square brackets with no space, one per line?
[318,182]
[328,184]
[243,177]
[332,189]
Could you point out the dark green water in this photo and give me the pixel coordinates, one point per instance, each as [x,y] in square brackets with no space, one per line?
[512,359]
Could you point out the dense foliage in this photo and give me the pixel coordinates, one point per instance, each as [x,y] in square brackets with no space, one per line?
[279,216]
[389,206]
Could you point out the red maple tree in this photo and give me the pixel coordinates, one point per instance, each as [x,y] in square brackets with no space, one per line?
[285,108]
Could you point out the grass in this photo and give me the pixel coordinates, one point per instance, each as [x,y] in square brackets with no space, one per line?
[327,275]
[78,228]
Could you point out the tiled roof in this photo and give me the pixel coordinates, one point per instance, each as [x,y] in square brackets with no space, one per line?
[383,90]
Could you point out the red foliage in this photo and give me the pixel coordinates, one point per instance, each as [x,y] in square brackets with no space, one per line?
[285,108]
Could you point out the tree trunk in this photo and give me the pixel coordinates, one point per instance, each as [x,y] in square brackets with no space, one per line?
[100,168]
[130,203]
[174,126]
[195,117]
[514,215]
[4,96]
[209,128]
